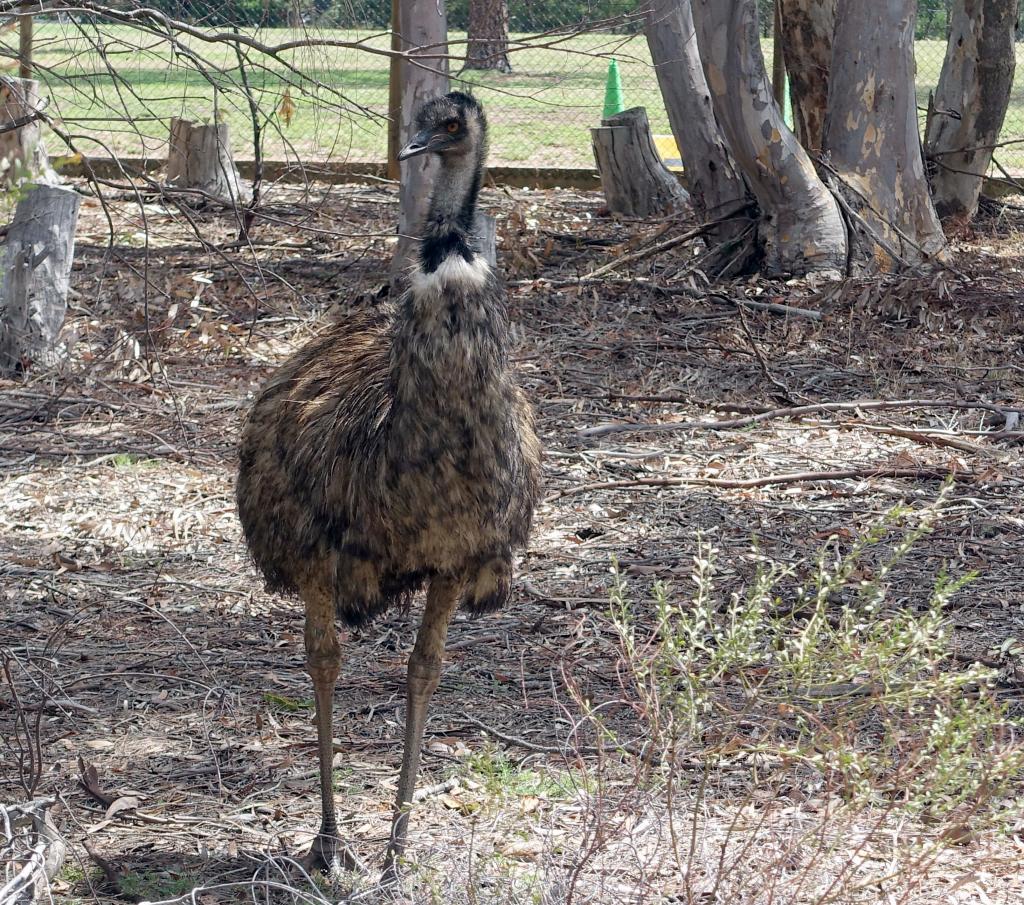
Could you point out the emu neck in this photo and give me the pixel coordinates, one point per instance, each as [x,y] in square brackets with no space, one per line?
[449,224]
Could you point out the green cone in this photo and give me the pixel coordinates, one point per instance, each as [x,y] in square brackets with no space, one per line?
[613,102]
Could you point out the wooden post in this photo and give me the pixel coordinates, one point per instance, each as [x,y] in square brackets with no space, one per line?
[25,44]
[635,181]
[199,157]
[36,265]
[395,97]
[423,30]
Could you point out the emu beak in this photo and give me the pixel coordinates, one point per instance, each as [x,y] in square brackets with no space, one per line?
[419,145]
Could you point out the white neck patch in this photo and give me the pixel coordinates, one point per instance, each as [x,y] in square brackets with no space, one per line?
[454,272]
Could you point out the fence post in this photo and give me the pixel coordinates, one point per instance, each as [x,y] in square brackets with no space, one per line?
[394,98]
[25,43]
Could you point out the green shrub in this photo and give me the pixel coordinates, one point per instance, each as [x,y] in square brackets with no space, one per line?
[827,675]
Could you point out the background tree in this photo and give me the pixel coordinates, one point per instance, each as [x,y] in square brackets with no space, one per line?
[872,135]
[807,29]
[869,205]
[717,189]
[966,114]
[487,36]
[801,227]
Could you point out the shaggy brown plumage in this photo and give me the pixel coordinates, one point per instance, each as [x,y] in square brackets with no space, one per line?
[396,448]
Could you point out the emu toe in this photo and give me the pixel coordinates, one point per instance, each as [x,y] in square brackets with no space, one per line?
[332,856]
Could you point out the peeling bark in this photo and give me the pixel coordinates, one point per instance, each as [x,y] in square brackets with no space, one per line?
[872,138]
[716,187]
[423,27]
[807,29]
[970,103]
[802,228]
[487,36]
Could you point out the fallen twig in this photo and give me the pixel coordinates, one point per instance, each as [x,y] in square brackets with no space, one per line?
[921,437]
[787,412]
[762,362]
[440,788]
[588,750]
[521,742]
[798,477]
[721,298]
[657,248]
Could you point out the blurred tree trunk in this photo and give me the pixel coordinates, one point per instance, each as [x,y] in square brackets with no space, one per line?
[717,189]
[872,139]
[22,154]
[778,57]
[487,36]
[970,103]
[35,263]
[807,29]
[423,27]
[801,224]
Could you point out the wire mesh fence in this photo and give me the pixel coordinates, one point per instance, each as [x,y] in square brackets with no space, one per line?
[313,84]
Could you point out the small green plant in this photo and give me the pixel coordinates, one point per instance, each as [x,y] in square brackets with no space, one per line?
[830,676]
[502,776]
[154,885]
[131,460]
[289,705]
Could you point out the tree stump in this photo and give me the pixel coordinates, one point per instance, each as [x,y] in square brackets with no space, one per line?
[22,154]
[635,181]
[36,265]
[33,851]
[199,159]
[486,229]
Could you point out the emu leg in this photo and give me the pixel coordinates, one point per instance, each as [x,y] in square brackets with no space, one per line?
[424,675]
[323,662]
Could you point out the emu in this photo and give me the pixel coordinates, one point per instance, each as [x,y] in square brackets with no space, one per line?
[394,451]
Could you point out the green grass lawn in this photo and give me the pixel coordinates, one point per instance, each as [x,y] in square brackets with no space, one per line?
[116,90]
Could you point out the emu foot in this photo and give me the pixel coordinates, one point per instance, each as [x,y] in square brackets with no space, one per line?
[390,880]
[330,855]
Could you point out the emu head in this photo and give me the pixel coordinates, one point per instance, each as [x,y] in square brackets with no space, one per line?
[452,126]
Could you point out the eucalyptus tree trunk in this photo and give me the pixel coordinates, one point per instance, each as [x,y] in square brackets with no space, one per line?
[423,30]
[872,139]
[970,103]
[717,189]
[801,224]
[807,29]
[487,36]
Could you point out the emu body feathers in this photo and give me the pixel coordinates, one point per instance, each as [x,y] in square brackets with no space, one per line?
[393,447]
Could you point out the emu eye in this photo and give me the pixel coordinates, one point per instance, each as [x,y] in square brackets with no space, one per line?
[453,127]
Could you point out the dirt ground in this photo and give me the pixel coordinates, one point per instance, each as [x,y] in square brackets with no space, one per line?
[138,641]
